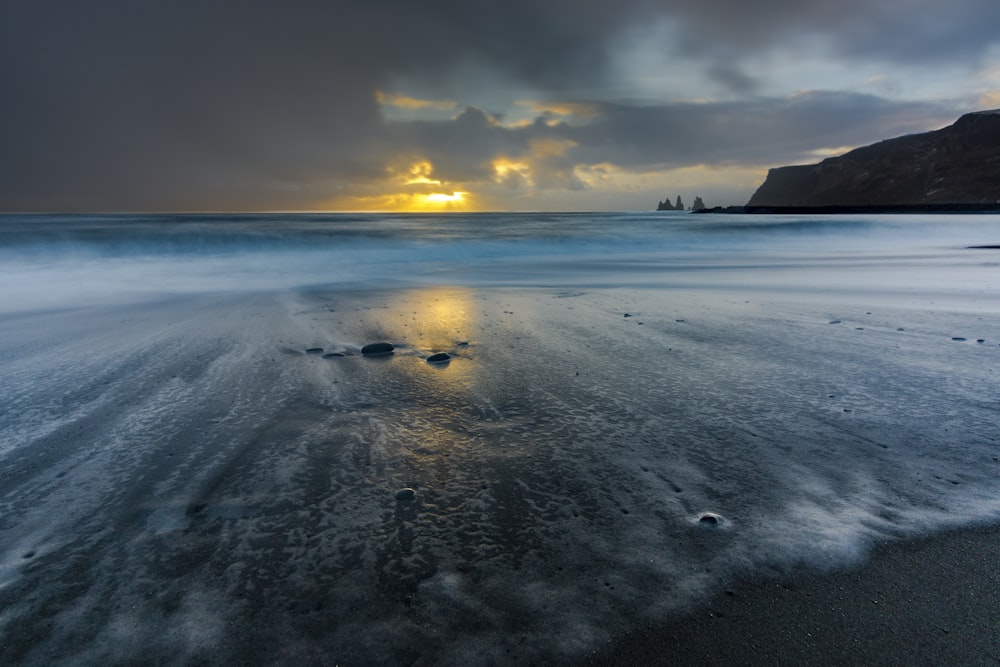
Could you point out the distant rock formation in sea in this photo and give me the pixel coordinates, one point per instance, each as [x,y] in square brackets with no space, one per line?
[665,205]
[954,168]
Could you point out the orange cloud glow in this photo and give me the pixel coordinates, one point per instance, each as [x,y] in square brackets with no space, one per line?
[407,102]
[420,173]
[511,172]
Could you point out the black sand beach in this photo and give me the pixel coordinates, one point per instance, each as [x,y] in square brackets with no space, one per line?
[934,601]
[225,477]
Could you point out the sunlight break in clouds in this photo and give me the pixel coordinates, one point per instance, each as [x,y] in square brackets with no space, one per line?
[186,106]
[407,102]
[406,202]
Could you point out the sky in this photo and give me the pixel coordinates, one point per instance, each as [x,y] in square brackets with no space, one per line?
[463,105]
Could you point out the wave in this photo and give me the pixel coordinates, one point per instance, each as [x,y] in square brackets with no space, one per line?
[74,259]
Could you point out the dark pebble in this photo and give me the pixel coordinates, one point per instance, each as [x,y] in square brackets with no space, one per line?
[439,358]
[980,340]
[375,349]
[30,554]
[958,338]
[900,329]
[834,321]
[314,350]
[709,519]
[405,494]
[463,343]
[628,315]
[331,355]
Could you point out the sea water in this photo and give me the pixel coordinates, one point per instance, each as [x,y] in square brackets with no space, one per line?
[183,481]
[58,260]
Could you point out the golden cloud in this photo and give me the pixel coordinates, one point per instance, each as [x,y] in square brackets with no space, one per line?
[407,102]
[512,173]
[541,148]
[420,173]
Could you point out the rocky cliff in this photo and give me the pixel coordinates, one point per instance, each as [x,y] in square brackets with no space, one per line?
[958,165]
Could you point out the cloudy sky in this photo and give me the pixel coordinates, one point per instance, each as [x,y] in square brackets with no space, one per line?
[169,105]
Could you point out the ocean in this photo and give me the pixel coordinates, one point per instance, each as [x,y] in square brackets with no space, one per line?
[197,463]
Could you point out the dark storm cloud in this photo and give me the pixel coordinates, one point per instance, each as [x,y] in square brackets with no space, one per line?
[784,130]
[892,31]
[668,136]
[131,104]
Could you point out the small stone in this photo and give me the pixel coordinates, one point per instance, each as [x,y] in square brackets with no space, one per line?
[439,358]
[462,343]
[958,338]
[980,340]
[709,519]
[628,315]
[377,349]
[314,350]
[834,321]
[900,329]
[331,355]
[405,494]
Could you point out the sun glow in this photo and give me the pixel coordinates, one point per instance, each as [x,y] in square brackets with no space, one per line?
[441,198]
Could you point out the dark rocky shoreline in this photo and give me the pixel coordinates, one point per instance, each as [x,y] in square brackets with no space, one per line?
[848,210]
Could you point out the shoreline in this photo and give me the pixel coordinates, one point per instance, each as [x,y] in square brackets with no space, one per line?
[853,209]
[931,600]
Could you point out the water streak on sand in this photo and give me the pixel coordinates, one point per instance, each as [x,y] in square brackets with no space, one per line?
[182,481]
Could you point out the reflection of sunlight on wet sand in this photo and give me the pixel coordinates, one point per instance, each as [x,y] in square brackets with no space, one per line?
[437,436]
[436,318]
[439,319]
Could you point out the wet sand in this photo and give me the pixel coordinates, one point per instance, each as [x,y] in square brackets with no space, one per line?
[932,601]
[197,480]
